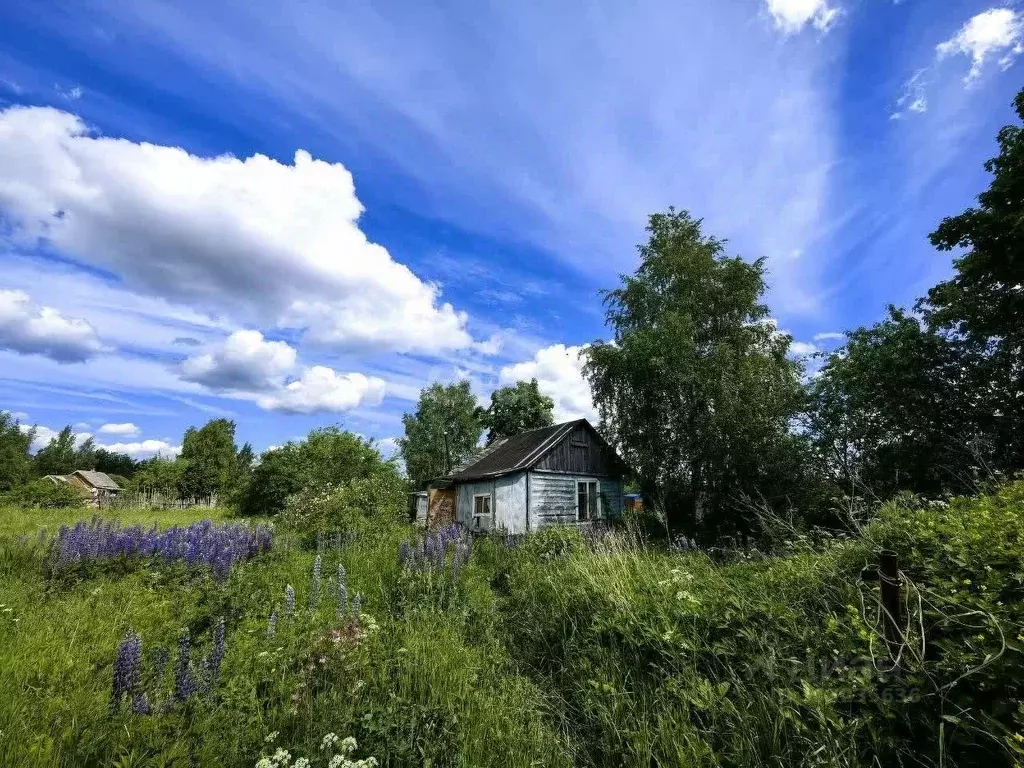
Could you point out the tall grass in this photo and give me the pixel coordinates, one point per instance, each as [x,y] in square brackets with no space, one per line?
[555,652]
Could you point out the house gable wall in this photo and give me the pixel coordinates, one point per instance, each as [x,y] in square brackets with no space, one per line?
[580,453]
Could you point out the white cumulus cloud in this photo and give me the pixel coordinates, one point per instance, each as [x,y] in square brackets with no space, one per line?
[263,241]
[144,449]
[995,32]
[323,390]
[243,361]
[791,16]
[126,428]
[558,370]
[31,329]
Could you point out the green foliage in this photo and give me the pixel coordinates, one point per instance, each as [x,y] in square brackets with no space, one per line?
[360,503]
[923,403]
[696,390]
[158,475]
[61,457]
[329,458]
[517,408]
[210,460]
[15,460]
[46,494]
[443,431]
[556,652]
[113,463]
[892,413]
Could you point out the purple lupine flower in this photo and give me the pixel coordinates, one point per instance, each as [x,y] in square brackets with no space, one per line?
[127,669]
[184,685]
[289,600]
[215,658]
[314,593]
[342,592]
[357,606]
[272,625]
[202,543]
[140,704]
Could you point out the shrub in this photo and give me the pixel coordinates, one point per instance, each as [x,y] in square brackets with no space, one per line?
[46,494]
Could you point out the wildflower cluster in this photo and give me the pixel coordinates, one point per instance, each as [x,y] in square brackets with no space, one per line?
[430,552]
[200,544]
[188,681]
[337,753]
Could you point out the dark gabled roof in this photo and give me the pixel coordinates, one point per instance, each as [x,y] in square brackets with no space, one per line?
[514,454]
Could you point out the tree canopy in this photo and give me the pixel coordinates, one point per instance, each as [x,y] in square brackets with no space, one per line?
[327,457]
[696,389]
[443,431]
[210,459]
[15,459]
[516,408]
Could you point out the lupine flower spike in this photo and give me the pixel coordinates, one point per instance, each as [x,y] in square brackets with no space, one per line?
[314,596]
[127,670]
[342,592]
[289,600]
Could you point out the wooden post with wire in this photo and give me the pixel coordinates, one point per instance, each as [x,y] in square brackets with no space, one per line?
[892,600]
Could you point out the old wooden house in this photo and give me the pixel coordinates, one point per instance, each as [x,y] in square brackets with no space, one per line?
[562,474]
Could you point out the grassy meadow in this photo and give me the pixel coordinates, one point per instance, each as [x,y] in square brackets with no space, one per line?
[550,651]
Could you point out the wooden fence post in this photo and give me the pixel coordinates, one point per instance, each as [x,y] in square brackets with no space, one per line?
[892,600]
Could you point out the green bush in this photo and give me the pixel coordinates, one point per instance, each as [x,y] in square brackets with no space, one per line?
[45,494]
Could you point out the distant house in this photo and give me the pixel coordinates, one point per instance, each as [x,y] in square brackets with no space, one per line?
[97,485]
[562,474]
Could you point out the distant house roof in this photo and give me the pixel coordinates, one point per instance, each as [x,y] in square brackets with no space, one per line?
[514,454]
[98,480]
[56,478]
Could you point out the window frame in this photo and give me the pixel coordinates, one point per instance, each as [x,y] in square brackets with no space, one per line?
[594,504]
[475,518]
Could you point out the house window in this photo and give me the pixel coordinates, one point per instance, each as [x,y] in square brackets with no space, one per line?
[482,517]
[588,500]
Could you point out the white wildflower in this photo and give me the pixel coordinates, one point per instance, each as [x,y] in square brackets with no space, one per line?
[264,762]
[270,737]
[348,746]
[329,741]
[301,763]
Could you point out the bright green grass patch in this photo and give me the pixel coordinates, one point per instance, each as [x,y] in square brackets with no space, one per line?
[16,521]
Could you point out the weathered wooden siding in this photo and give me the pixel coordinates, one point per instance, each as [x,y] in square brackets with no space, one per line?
[510,503]
[553,498]
[464,499]
[579,453]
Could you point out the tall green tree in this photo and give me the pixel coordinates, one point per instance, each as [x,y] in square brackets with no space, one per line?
[983,302]
[892,410]
[210,457]
[696,389]
[58,457]
[444,430]
[15,459]
[517,408]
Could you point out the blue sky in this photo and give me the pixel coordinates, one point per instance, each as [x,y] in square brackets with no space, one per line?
[299,214]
